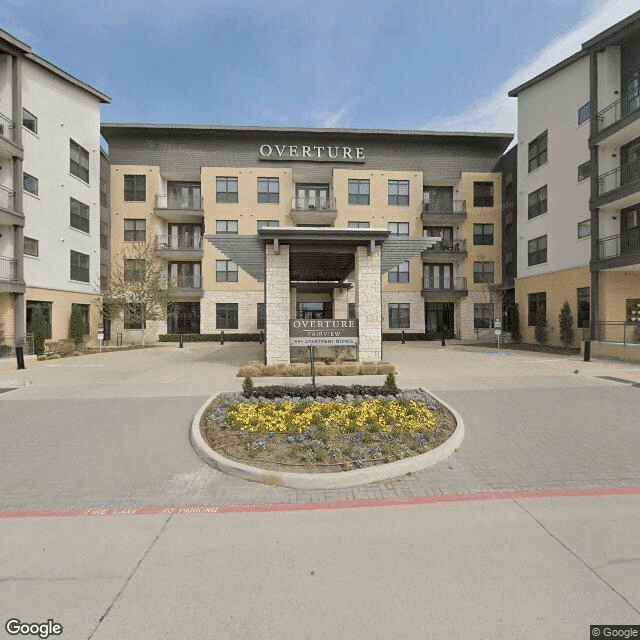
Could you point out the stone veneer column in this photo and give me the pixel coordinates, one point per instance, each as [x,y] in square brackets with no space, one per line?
[292,303]
[277,299]
[341,303]
[368,300]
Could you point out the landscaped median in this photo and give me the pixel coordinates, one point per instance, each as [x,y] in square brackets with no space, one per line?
[329,437]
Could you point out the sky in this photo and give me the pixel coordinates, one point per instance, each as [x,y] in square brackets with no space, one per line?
[374,64]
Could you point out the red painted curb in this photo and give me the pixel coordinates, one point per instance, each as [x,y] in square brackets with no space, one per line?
[318,506]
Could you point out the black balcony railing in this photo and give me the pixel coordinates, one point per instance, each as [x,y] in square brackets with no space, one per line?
[445,207]
[619,177]
[313,203]
[618,110]
[444,283]
[179,201]
[620,332]
[614,246]
[449,246]
[7,128]
[178,243]
[7,199]
[8,268]
[185,282]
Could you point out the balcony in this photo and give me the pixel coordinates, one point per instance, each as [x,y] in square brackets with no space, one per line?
[8,146]
[618,110]
[8,215]
[179,207]
[446,250]
[185,286]
[445,287]
[179,247]
[444,210]
[9,276]
[313,210]
[619,250]
[618,183]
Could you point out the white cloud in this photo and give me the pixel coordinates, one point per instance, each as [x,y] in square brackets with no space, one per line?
[498,112]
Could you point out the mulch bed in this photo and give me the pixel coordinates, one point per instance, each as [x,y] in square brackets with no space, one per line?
[320,448]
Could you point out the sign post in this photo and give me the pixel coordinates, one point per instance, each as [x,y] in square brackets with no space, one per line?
[498,330]
[100,338]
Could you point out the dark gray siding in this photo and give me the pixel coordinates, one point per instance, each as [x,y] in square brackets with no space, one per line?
[441,158]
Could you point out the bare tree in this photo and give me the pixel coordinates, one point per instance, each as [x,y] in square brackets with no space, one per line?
[490,293]
[138,286]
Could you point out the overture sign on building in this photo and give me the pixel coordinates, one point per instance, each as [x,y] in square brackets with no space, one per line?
[319,333]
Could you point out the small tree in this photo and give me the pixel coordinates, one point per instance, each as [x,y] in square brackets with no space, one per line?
[39,330]
[138,286]
[76,326]
[542,327]
[515,327]
[566,325]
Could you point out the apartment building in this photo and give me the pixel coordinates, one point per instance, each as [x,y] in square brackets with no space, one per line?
[579,188]
[216,201]
[49,193]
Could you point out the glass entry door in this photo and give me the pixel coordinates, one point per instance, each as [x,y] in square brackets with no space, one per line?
[439,318]
[312,196]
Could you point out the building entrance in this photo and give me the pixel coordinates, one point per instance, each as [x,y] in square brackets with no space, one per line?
[439,319]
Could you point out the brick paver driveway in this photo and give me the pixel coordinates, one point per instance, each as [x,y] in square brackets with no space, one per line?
[111,430]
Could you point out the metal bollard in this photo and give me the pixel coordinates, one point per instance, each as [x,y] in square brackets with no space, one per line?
[181,341]
[587,350]
[261,336]
[442,341]
[20,357]
[403,336]
[221,338]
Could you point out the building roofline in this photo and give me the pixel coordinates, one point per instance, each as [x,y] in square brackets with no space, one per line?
[605,36]
[12,41]
[549,72]
[114,127]
[49,66]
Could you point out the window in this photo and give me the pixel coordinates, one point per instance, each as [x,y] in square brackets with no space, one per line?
[31,247]
[482,315]
[584,113]
[134,316]
[537,250]
[538,202]
[45,309]
[314,310]
[79,161]
[399,192]
[399,273]
[584,171]
[483,234]
[584,307]
[135,188]
[266,224]
[134,270]
[537,304]
[226,189]
[538,152]
[29,121]
[104,197]
[104,235]
[584,229]
[269,190]
[226,271]
[79,263]
[226,226]
[30,184]
[399,315]
[261,316]
[79,215]
[483,272]
[483,194]
[135,230]
[84,314]
[351,311]
[358,192]
[226,315]
[399,228]
[355,224]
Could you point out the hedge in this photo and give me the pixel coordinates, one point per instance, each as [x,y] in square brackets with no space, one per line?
[210,337]
[274,392]
[429,335]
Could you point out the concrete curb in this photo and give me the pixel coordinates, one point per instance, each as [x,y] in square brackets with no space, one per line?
[339,480]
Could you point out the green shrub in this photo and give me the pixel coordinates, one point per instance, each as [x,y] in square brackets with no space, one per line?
[247,386]
[390,382]
[39,330]
[566,325]
[541,331]
[209,337]
[76,326]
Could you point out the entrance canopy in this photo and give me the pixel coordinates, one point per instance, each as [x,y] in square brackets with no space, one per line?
[317,254]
